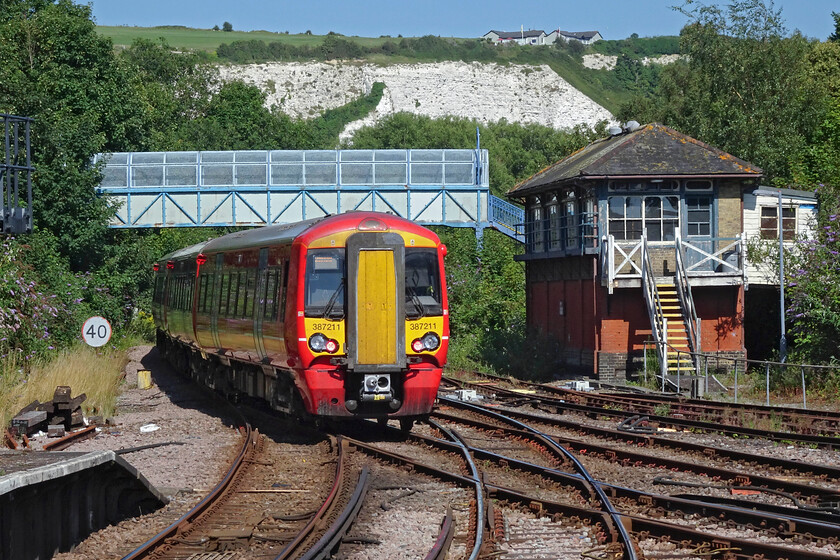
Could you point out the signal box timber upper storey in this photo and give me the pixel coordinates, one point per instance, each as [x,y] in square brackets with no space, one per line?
[637,241]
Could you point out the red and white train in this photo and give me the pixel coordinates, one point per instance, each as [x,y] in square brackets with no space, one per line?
[336,317]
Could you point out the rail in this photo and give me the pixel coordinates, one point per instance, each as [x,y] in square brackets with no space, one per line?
[653,303]
[506,218]
[765,365]
[480,510]
[714,258]
[612,516]
[257,187]
[687,302]
[249,440]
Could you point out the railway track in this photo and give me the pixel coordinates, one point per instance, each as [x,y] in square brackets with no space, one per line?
[782,418]
[773,535]
[516,480]
[608,410]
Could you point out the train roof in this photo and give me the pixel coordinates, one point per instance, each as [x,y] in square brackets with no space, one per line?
[307,230]
[287,233]
[260,237]
[186,253]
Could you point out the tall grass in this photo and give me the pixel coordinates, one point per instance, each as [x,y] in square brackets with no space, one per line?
[95,372]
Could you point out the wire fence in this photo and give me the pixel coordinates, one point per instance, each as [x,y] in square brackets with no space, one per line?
[703,374]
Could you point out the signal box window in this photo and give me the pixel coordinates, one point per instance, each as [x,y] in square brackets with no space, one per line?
[325,283]
[422,283]
[770,223]
[630,215]
[699,214]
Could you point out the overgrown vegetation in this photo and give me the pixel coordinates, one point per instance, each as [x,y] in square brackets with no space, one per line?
[96,373]
[635,46]
[744,86]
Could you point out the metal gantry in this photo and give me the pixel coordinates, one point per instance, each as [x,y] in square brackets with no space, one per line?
[16,175]
[260,187]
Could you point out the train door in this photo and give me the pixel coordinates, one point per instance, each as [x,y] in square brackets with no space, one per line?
[375,303]
[217,293]
[260,303]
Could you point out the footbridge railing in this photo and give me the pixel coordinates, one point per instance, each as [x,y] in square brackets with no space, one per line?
[260,187]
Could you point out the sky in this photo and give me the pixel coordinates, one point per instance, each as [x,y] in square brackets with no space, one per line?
[615,19]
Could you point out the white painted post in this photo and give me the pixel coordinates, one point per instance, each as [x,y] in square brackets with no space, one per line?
[767,383]
[736,379]
[804,397]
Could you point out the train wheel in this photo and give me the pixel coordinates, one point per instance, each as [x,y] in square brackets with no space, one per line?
[406,424]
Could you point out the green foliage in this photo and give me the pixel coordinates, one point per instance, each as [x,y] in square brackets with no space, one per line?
[56,69]
[327,127]
[486,286]
[638,47]
[516,151]
[742,86]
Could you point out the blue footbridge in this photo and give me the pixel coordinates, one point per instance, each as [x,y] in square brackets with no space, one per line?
[261,187]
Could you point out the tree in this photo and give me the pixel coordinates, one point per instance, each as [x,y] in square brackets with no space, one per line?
[227,26]
[835,37]
[741,85]
[55,68]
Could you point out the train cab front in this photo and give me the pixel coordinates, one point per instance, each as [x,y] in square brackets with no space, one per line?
[376,324]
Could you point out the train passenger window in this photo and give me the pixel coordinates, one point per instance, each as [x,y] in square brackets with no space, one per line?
[422,283]
[325,283]
[270,295]
[284,280]
[205,289]
[235,301]
[158,290]
[250,291]
[224,294]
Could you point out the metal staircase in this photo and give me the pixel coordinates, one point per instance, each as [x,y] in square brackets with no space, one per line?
[678,351]
[673,318]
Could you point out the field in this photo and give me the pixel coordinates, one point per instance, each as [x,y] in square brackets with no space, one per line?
[188,38]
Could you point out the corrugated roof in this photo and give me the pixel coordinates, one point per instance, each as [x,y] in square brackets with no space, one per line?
[653,150]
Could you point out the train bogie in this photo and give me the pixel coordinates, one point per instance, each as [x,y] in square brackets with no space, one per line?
[344,316]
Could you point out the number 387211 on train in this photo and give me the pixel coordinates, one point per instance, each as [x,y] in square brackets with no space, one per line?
[343,316]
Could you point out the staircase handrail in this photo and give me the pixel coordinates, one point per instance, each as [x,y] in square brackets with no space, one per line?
[687,302]
[506,217]
[654,306]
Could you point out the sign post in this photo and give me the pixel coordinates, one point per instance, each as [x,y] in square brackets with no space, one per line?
[96,331]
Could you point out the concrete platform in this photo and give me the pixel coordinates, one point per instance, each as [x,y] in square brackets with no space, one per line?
[51,501]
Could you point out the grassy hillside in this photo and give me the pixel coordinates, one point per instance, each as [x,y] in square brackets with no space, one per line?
[607,88]
[186,38]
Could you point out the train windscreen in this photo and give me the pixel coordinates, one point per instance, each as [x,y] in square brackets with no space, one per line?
[422,283]
[325,283]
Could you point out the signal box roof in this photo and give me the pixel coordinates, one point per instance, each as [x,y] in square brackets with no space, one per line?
[650,151]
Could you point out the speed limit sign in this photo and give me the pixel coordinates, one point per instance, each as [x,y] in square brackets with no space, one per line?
[96,331]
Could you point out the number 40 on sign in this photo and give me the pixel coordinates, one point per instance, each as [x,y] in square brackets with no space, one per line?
[96,331]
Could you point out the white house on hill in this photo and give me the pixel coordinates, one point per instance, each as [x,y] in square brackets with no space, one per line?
[585,37]
[539,37]
[521,37]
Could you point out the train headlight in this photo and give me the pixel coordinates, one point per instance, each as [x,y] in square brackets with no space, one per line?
[431,341]
[428,342]
[318,342]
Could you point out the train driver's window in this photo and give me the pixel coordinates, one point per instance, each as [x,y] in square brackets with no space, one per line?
[422,283]
[325,283]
